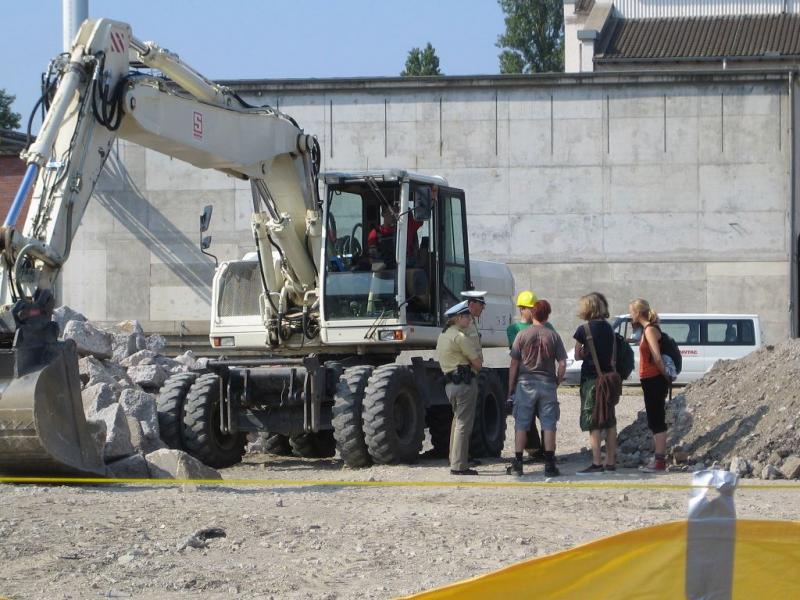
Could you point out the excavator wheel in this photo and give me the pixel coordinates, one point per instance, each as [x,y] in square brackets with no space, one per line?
[170,408]
[347,409]
[276,444]
[439,420]
[489,427]
[318,444]
[393,415]
[202,437]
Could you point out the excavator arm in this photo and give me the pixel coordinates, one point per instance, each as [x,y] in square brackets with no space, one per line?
[97,98]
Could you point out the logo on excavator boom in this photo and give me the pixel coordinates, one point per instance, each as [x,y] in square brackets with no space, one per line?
[197,125]
[118,41]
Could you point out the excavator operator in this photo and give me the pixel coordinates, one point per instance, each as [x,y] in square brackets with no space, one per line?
[381,240]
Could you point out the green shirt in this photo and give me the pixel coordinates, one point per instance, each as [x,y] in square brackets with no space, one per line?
[455,348]
[513,329]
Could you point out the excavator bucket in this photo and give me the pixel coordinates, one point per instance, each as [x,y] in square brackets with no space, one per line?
[43,430]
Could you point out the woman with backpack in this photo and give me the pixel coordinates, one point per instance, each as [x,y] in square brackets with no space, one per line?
[654,379]
[593,309]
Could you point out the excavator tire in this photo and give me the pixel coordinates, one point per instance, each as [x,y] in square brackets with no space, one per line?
[347,409]
[489,427]
[439,420]
[202,437]
[276,444]
[318,444]
[393,415]
[170,408]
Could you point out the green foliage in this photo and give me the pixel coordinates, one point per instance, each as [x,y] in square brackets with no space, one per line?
[422,62]
[534,37]
[8,118]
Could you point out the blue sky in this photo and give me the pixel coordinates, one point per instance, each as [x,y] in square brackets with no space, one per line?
[234,39]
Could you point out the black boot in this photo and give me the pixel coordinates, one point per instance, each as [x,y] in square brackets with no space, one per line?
[515,468]
[550,468]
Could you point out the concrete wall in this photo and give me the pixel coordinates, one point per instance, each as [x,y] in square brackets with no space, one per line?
[671,187]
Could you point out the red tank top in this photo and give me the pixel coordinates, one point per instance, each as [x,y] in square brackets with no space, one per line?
[647,367]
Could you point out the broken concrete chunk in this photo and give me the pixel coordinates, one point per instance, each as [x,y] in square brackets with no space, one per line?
[130,326]
[118,436]
[132,467]
[176,464]
[141,406]
[140,442]
[93,371]
[90,340]
[136,359]
[790,468]
[156,343]
[771,472]
[97,397]
[740,466]
[187,359]
[123,345]
[63,314]
[97,431]
[148,376]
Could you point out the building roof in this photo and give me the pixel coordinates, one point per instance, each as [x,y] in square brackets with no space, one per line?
[11,142]
[772,36]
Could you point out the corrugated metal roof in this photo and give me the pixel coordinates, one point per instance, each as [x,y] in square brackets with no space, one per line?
[702,37]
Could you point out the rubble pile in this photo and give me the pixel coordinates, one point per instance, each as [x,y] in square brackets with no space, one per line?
[743,415]
[121,371]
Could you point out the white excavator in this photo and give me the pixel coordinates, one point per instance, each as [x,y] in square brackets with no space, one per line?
[338,284]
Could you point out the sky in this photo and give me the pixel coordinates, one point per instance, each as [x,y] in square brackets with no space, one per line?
[241,39]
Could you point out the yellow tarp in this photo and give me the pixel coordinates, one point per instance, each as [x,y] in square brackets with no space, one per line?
[644,563]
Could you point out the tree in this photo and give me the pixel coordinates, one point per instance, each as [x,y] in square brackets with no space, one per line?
[422,62]
[8,118]
[534,37]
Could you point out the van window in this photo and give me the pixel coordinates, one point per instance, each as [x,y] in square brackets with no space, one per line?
[729,332]
[685,333]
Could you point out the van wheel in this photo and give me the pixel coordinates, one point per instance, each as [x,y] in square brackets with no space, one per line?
[393,415]
[489,428]
[348,402]
[201,427]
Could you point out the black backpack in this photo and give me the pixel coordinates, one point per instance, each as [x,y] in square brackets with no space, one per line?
[670,348]
[626,360]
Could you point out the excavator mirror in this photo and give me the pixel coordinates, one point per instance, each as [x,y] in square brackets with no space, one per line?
[422,203]
[205,243]
[205,218]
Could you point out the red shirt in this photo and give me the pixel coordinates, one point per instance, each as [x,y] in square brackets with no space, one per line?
[411,234]
[647,366]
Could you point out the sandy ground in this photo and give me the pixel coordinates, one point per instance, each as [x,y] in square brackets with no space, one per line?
[285,541]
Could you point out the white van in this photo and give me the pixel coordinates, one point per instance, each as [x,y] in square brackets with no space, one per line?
[703,339]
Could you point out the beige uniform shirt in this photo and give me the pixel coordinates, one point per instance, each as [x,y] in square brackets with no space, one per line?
[455,348]
[474,335]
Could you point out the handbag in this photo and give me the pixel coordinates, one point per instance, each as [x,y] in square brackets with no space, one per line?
[608,387]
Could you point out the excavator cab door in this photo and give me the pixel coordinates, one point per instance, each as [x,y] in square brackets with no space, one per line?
[452,249]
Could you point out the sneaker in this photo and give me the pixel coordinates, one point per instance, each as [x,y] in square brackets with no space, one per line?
[591,470]
[515,468]
[463,472]
[551,471]
[609,468]
[654,466]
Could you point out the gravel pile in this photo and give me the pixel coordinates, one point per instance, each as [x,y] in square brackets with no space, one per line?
[743,415]
[121,372]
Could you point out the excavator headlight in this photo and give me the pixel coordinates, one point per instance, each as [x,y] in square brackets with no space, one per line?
[391,335]
[223,342]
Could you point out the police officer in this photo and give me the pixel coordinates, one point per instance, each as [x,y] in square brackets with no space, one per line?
[460,360]
[476,301]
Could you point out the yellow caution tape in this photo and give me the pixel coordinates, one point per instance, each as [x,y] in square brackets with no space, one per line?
[614,485]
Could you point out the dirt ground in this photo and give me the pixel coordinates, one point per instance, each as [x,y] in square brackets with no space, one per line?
[321,541]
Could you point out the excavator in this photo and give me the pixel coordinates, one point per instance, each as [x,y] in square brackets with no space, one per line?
[348,270]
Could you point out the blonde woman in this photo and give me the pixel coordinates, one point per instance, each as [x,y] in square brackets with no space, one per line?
[653,376]
[593,309]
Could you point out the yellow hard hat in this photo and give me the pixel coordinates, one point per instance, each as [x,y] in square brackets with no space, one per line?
[526,299]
